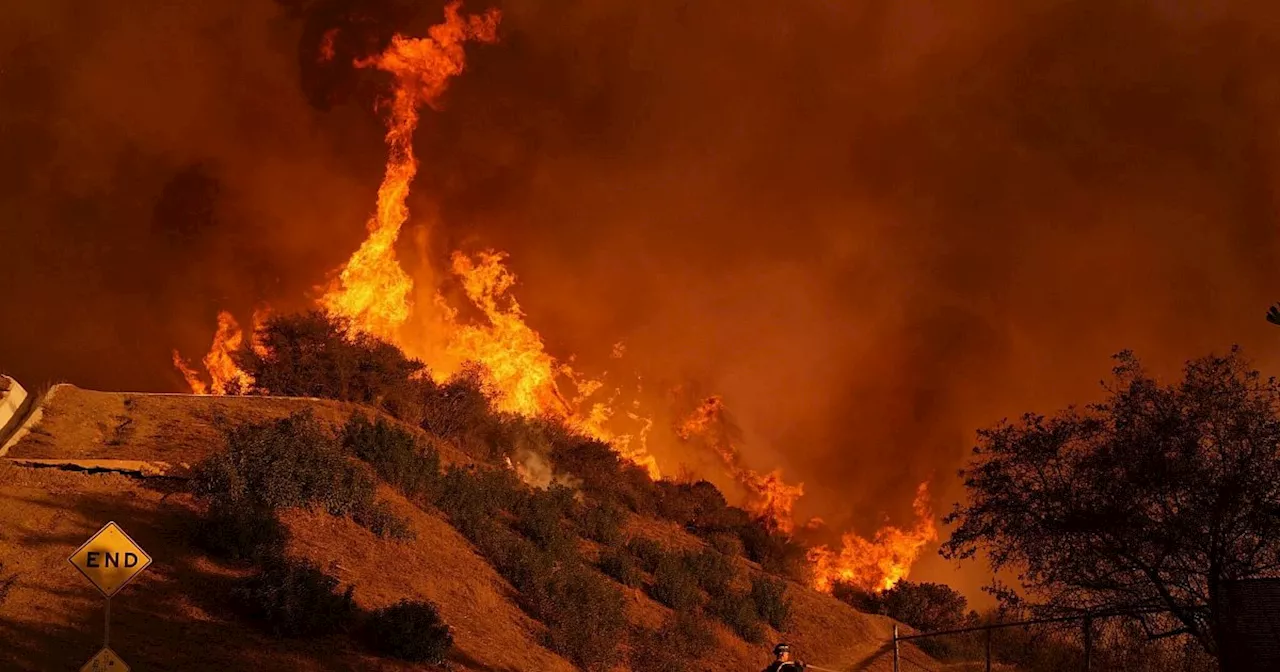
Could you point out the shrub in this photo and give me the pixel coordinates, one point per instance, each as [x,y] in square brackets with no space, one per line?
[771,602]
[379,519]
[736,611]
[241,532]
[605,476]
[602,521]
[585,617]
[621,566]
[683,638]
[647,553]
[712,570]
[776,552]
[409,630]
[295,599]
[394,453]
[277,464]
[727,543]
[351,493]
[459,410]
[857,597]
[539,516]
[924,606]
[468,494]
[315,354]
[674,585]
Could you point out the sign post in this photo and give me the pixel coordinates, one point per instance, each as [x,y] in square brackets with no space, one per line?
[110,560]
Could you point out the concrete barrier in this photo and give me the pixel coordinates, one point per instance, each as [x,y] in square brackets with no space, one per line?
[13,405]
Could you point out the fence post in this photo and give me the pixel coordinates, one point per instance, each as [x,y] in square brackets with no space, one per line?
[1088,643]
[895,647]
[989,629]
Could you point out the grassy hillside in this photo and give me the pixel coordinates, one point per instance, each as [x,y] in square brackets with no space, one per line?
[177,615]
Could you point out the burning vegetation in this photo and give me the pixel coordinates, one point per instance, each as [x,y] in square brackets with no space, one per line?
[372,299]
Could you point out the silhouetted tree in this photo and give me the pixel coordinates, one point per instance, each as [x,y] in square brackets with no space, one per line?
[314,354]
[1151,499]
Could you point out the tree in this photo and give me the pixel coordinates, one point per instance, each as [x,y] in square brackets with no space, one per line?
[315,354]
[1147,501]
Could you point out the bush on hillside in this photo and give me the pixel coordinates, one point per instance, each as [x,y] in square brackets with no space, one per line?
[379,519]
[684,637]
[602,522]
[585,617]
[276,465]
[605,476]
[771,602]
[292,598]
[647,553]
[316,354]
[699,507]
[776,553]
[471,494]
[727,543]
[539,516]
[409,630]
[737,611]
[621,566]
[713,571]
[241,532]
[460,410]
[394,453]
[923,606]
[673,584]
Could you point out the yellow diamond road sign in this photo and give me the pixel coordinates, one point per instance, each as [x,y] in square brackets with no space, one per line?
[110,559]
[105,661]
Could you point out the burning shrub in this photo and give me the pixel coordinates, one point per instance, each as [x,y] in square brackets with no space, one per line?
[394,453]
[738,612]
[315,354]
[409,630]
[292,598]
[857,597]
[771,602]
[621,566]
[601,521]
[647,551]
[712,570]
[673,584]
[585,616]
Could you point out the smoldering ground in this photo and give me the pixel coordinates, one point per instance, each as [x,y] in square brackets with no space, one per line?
[872,226]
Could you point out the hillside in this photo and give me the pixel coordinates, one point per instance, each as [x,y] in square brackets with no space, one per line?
[174,615]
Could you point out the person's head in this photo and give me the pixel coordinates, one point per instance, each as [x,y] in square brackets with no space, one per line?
[782,652]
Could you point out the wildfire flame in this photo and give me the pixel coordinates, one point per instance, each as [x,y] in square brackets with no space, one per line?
[879,563]
[373,292]
[770,496]
[224,375]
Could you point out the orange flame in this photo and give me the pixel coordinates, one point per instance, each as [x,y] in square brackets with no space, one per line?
[373,290]
[770,496]
[879,563]
[224,375]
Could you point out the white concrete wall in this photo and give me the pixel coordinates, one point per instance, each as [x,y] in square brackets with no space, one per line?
[11,402]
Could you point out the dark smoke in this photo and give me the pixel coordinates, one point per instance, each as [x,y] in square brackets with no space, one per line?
[872,226]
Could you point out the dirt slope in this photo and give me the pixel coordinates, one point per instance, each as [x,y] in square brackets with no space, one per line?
[173,616]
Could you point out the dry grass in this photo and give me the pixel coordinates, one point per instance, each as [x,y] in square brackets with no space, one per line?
[175,615]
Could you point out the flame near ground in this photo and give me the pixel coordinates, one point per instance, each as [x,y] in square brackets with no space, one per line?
[374,292]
